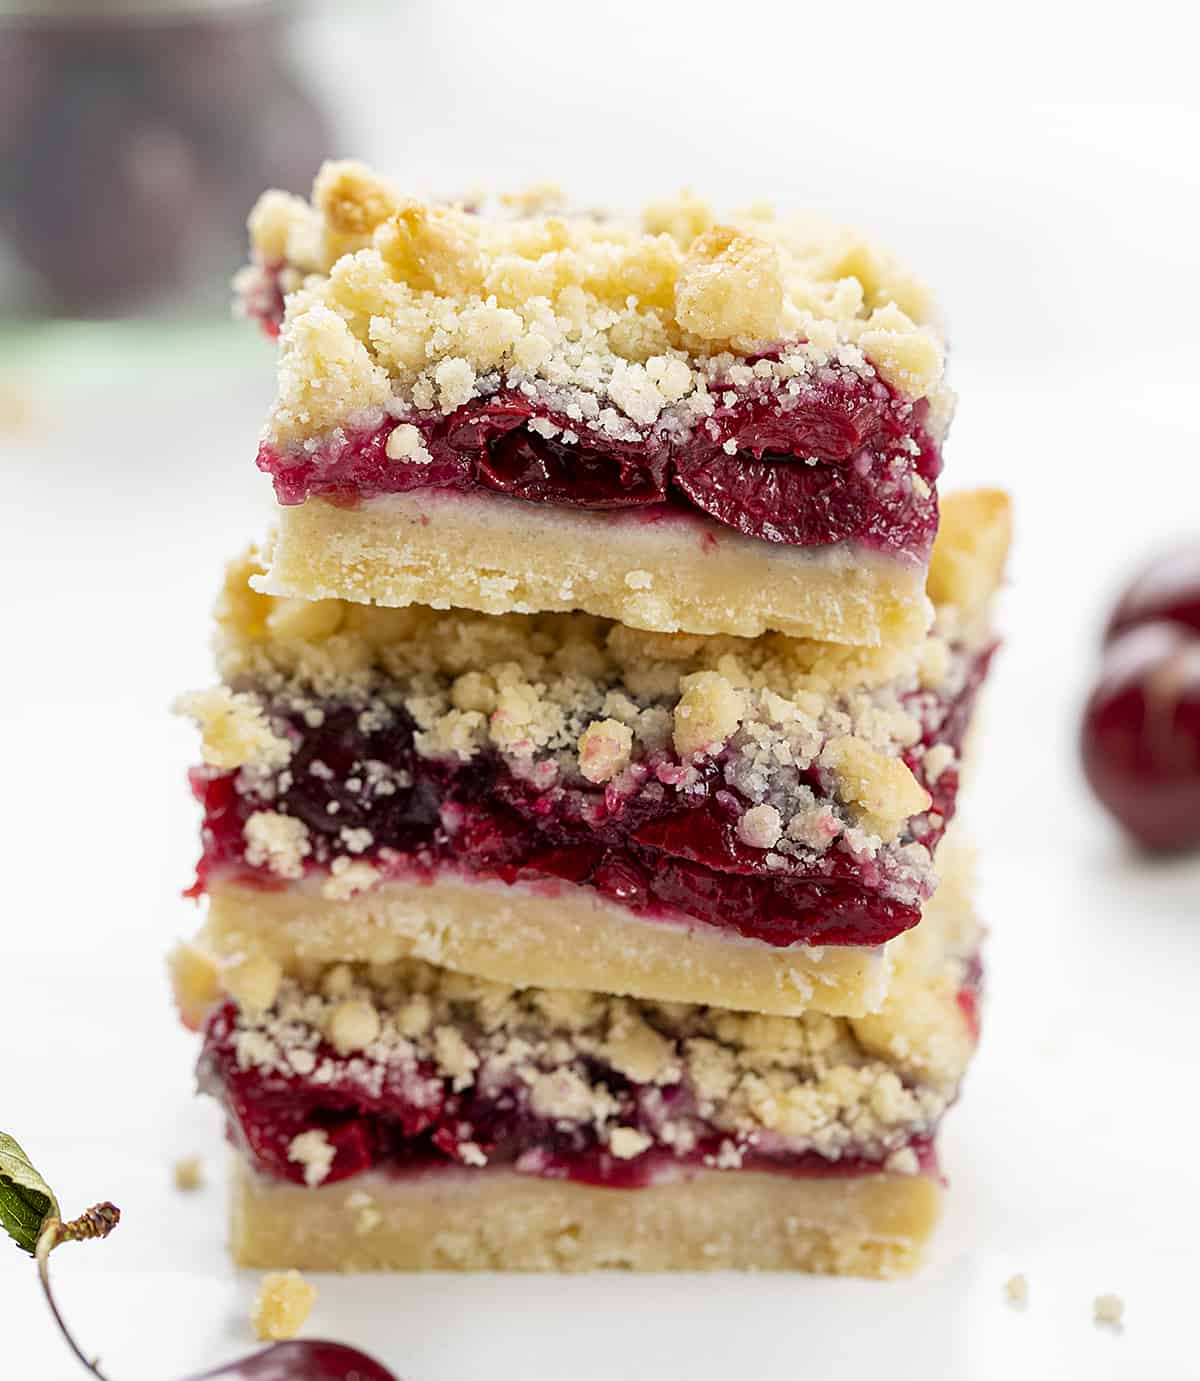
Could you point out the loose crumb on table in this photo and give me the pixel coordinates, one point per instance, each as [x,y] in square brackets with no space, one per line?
[1017,1290]
[1108,1310]
[189,1174]
[285,1300]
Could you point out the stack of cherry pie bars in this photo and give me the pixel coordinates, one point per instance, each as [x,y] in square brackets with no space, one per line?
[579,880]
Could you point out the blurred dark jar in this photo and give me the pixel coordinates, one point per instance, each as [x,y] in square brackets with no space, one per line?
[134,138]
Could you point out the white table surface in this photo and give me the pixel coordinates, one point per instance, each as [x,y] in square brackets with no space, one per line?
[1073,1154]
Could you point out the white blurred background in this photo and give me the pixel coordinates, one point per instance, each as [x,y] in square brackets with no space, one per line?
[1062,240]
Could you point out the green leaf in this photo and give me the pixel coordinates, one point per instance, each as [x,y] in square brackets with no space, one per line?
[26,1201]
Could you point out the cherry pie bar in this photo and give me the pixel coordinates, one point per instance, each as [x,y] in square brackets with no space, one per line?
[581,881]
[405,1117]
[687,425]
[564,801]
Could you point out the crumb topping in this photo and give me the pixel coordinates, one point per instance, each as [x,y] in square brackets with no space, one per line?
[313,1150]
[253,982]
[684,1074]
[233,729]
[398,306]
[277,842]
[816,742]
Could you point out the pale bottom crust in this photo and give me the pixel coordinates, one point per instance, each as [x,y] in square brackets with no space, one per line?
[500,555]
[567,937]
[867,1225]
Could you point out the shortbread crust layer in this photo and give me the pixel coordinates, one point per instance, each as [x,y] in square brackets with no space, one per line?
[678,574]
[869,1225]
[571,939]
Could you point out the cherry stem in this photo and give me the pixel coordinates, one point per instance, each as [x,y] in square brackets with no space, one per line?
[96,1222]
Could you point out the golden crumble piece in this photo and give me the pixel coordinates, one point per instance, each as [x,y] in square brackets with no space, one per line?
[315,1152]
[881,279]
[712,1068]
[563,1095]
[910,358]
[473,691]
[432,250]
[455,380]
[352,199]
[971,549]
[605,747]
[253,983]
[414,1017]
[281,1309]
[347,878]
[457,733]
[627,1142]
[882,788]
[1016,1290]
[273,222]
[337,982]
[761,827]
[731,288]
[405,442]
[708,713]
[936,761]
[903,1162]
[634,1048]
[352,1026]
[671,376]
[325,374]
[233,729]
[305,619]
[195,983]
[1108,1311]
[277,842]
[455,1058]
[189,1174]
[572,1010]
[240,609]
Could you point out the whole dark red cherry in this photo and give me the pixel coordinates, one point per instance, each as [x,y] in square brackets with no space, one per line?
[303,1360]
[1141,734]
[1167,589]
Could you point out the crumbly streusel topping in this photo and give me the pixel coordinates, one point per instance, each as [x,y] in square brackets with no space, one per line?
[769,1083]
[400,307]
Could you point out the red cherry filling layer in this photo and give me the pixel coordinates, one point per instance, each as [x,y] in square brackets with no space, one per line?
[411,1120]
[658,851]
[845,459]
